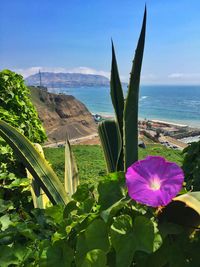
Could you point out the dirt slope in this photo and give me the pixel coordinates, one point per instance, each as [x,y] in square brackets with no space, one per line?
[62,115]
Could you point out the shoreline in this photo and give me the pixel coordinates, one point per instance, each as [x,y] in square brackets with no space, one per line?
[174,122]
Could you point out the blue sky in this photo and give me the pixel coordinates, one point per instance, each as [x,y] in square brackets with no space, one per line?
[63,35]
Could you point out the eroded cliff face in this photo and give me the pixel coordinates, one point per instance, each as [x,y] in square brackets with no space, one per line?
[62,115]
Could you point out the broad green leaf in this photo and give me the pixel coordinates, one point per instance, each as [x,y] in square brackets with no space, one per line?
[60,254]
[5,222]
[95,258]
[37,166]
[83,192]
[108,214]
[96,235]
[110,191]
[56,212]
[7,257]
[5,205]
[123,240]
[131,104]
[144,234]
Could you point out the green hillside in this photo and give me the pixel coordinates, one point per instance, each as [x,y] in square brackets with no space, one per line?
[91,162]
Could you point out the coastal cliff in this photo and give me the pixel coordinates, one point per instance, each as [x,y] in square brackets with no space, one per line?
[62,115]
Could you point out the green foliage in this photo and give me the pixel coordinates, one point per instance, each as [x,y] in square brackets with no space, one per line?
[80,234]
[35,163]
[16,107]
[90,159]
[120,139]
[191,166]
[90,162]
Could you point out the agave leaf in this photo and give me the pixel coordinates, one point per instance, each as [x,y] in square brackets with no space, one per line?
[117,98]
[191,199]
[71,180]
[35,163]
[40,199]
[131,104]
[111,143]
[183,210]
[116,92]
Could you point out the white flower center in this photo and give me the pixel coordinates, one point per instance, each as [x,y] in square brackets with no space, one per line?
[155,184]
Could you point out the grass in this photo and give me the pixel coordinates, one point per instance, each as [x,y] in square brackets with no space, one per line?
[90,160]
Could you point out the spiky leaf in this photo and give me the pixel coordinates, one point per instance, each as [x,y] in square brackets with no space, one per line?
[40,199]
[184,210]
[131,105]
[111,142]
[71,172]
[116,92]
[33,161]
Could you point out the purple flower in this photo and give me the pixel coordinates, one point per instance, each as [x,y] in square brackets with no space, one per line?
[154,181]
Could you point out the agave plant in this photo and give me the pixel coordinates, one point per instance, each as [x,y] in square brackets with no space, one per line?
[119,138]
[44,179]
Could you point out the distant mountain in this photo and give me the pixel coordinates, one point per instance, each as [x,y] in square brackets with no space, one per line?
[51,79]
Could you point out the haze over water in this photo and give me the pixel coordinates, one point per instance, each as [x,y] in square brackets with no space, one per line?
[180,104]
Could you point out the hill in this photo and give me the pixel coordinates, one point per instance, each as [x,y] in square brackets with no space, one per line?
[51,79]
[62,115]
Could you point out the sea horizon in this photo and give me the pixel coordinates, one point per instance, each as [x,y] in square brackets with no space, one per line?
[171,103]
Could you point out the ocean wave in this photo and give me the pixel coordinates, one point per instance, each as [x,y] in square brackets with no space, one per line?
[143,97]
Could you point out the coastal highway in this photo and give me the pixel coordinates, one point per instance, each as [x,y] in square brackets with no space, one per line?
[74,141]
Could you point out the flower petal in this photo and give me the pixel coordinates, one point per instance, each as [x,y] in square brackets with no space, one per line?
[140,174]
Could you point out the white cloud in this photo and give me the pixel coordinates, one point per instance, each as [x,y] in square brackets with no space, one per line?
[83,70]
[184,76]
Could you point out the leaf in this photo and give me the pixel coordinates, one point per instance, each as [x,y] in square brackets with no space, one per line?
[110,191]
[112,144]
[5,222]
[37,166]
[95,258]
[5,205]
[131,104]
[71,180]
[83,192]
[56,212]
[81,249]
[123,241]
[117,98]
[7,256]
[116,91]
[108,214]
[128,237]
[40,199]
[96,235]
[60,254]
[184,210]
[144,234]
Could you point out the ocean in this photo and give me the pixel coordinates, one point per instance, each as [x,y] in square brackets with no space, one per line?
[179,104]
